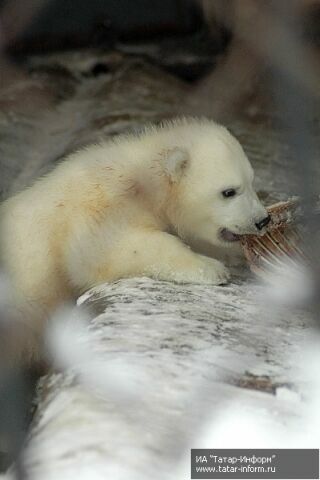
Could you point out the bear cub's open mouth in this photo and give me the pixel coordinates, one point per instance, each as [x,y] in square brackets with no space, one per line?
[229,236]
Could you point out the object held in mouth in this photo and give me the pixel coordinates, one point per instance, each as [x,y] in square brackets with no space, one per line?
[281,245]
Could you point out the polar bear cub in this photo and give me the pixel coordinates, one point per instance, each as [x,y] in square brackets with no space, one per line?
[130,207]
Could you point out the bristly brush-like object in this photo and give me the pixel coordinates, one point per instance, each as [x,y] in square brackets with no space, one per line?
[281,245]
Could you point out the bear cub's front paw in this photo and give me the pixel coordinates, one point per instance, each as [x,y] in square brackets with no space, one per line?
[212,271]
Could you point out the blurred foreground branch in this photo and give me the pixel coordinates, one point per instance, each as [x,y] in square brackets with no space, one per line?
[262,38]
[15,17]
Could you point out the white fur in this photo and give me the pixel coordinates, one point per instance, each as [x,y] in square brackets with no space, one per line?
[126,208]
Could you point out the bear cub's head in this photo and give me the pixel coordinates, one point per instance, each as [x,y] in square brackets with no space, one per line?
[213,198]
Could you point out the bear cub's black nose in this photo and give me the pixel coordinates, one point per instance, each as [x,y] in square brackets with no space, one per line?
[263,223]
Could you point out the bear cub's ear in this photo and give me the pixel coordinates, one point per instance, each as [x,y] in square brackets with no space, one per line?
[176,160]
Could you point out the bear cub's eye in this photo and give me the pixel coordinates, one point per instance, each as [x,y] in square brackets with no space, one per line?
[230,192]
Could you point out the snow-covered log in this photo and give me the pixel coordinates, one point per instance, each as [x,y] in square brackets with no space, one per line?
[159,365]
